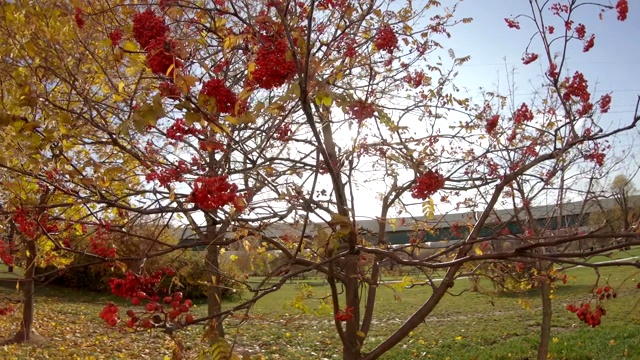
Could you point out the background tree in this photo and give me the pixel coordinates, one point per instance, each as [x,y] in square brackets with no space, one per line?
[623,191]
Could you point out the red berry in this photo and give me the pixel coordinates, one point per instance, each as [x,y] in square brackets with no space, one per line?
[177,296]
[112,321]
[189,319]
[174,314]
[184,308]
[141,295]
[607,288]
[599,291]
[175,304]
[188,302]
[131,313]
[135,301]
[150,307]
[167,300]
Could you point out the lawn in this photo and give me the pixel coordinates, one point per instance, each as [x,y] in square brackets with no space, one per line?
[465,326]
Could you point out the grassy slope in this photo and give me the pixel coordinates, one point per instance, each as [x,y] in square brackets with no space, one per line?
[469,326]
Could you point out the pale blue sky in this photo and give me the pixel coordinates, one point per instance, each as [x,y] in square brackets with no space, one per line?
[613,65]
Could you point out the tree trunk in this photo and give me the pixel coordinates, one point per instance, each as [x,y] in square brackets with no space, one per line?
[212,269]
[545,327]
[28,294]
[353,343]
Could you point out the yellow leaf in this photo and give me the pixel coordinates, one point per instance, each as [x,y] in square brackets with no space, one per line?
[295,89]
[232,119]
[191,117]
[130,46]
[220,128]
[121,87]
[429,209]
[170,69]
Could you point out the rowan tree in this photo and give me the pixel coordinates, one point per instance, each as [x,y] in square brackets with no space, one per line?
[249,113]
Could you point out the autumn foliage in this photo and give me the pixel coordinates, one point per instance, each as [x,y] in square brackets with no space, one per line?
[230,119]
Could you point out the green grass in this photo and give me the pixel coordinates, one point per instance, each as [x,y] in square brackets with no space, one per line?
[465,325]
[469,326]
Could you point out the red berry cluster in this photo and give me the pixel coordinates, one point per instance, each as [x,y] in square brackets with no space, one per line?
[151,32]
[491,124]
[585,314]
[512,24]
[345,315]
[528,58]
[155,313]
[595,155]
[427,184]
[133,284]
[360,110]
[109,314]
[47,225]
[274,65]
[581,31]
[179,129]
[77,16]
[283,133]
[5,253]
[138,288]
[212,193]
[386,39]
[416,79]
[100,245]
[622,7]
[24,220]
[568,24]
[331,4]
[116,36]
[605,292]
[552,72]
[168,175]
[148,26]
[6,310]
[161,57]
[522,114]
[576,87]
[25,223]
[605,103]
[557,9]
[589,43]
[222,97]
